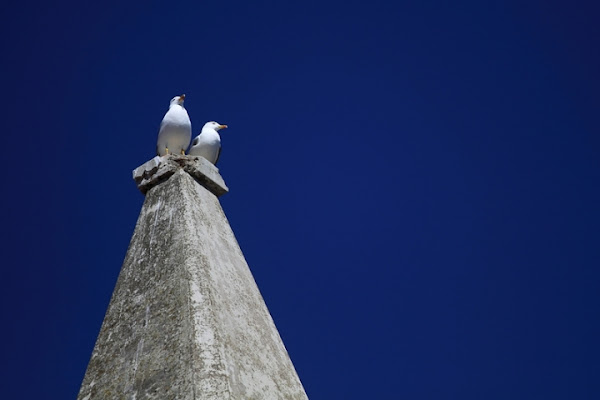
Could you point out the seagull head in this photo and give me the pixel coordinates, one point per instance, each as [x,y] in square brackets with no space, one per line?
[214,126]
[178,100]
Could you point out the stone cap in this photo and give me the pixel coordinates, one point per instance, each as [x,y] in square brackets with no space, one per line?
[159,169]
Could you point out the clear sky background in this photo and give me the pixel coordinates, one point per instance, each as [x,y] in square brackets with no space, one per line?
[415,185]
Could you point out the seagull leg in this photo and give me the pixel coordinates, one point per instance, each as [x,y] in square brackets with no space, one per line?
[182,152]
[167,150]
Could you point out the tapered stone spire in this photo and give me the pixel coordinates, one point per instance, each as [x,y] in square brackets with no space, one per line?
[186,319]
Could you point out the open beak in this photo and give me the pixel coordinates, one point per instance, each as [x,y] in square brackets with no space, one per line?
[222,126]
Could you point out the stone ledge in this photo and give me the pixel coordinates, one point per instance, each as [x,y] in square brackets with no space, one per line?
[159,169]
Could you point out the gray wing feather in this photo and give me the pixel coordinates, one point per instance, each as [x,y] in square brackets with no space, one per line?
[218,155]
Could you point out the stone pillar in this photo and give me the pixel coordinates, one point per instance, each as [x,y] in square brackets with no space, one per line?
[186,319]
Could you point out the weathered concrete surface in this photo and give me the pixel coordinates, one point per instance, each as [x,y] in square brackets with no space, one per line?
[159,169]
[186,319]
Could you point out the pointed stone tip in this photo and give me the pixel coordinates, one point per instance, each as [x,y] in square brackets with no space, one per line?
[159,169]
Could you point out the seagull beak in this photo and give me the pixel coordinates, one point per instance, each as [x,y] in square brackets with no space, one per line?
[222,126]
[182,97]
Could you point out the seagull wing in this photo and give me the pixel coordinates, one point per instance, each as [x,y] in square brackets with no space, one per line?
[218,155]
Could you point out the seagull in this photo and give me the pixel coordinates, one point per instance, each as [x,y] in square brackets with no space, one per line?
[208,143]
[175,129]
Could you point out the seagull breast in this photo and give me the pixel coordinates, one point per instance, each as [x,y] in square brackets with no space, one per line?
[207,144]
[175,131]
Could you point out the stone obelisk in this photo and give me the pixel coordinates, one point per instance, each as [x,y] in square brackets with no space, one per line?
[186,319]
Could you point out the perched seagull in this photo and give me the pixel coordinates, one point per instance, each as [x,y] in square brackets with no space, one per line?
[175,129]
[208,143]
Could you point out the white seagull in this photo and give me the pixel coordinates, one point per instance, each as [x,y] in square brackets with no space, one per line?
[208,143]
[175,129]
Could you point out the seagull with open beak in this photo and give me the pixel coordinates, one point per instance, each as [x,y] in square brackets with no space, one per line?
[175,129]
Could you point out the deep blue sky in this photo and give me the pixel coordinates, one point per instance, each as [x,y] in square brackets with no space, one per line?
[414,184]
